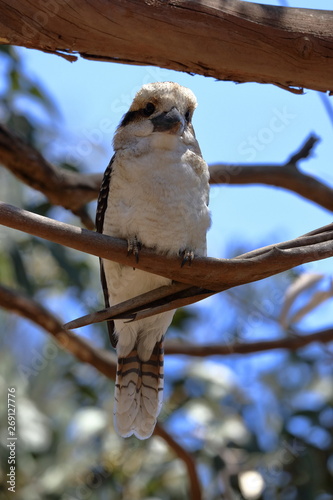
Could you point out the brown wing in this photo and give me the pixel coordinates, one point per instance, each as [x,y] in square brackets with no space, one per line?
[102,204]
[102,201]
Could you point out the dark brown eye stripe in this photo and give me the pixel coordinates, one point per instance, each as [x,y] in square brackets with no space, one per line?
[130,116]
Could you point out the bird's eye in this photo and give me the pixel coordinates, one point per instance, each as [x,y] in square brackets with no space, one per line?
[187,115]
[149,109]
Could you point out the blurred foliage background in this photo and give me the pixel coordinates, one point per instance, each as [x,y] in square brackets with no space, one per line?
[259,426]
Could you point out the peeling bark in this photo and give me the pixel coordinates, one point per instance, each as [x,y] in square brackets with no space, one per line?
[238,41]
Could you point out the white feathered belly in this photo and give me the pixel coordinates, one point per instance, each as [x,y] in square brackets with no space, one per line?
[125,283]
[164,204]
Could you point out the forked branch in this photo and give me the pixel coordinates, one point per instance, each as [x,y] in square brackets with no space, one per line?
[286,175]
[204,277]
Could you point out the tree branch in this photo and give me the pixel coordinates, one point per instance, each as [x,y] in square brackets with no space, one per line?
[238,41]
[68,189]
[291,343]
[208,274]
[286,176]
[195,487]
[304,151]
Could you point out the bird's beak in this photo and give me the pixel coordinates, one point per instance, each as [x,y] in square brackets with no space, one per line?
[169,121]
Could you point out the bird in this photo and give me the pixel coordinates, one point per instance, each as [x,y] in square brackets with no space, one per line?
[154,194]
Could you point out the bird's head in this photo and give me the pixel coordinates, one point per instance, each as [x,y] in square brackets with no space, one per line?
[162,112]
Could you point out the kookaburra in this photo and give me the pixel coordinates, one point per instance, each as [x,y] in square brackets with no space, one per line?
[154,194]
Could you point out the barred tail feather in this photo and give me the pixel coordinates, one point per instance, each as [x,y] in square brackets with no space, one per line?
[139,393]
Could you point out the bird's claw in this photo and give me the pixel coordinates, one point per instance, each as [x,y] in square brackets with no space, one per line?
[187,256]
[133,247]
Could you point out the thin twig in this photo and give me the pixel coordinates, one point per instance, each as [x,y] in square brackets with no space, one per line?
[195,487]
[304,151]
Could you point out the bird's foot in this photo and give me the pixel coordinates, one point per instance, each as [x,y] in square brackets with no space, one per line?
[187,256]
[134,247]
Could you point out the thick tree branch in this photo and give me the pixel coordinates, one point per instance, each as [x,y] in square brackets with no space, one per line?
[287,176]
[238,41]
[209,275]
[68,189]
